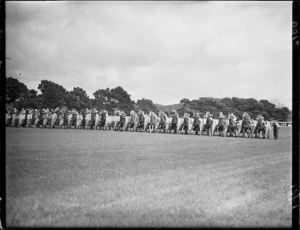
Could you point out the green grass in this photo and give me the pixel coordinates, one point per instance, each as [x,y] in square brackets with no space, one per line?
[105,178]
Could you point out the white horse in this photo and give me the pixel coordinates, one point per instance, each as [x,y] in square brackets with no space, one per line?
[88,118]
[22,118]
[29,119]
[97,120]
[153,121]
[79,120]
[132,121]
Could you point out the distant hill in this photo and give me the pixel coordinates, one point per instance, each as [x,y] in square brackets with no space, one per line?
[168,108]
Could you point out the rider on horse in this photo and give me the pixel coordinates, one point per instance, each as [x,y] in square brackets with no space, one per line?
[209,122]
[122,120]
[221,124]
[141,122]
[196,124]
[246,125]
[260,127]
[186,121]
[103,118]
[131,122]
[174,121]
[153,118]
[163,119]
[232,127]
[276,128]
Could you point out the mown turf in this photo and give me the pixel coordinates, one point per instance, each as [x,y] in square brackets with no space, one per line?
[104,178]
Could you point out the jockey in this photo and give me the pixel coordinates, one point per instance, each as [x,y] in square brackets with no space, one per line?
[276,128]
[196,124]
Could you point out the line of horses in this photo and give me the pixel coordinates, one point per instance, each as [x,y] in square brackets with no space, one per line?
[100,120]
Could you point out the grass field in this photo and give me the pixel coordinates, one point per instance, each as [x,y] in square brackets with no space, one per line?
[104,178]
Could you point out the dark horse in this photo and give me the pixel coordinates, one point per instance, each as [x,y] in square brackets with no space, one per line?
[246,125]
[232,126]
[260,127]
[103,115]
[208,126]
[220,127]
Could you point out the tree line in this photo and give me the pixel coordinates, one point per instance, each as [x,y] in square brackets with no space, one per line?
[54,95]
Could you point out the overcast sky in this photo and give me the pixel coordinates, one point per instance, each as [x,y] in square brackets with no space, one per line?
[163,51]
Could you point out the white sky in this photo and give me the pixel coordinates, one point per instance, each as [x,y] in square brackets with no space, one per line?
[163,51]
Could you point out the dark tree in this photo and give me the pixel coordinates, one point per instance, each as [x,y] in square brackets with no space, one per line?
[78,99]
[15,91]
[53,95]
[146,105]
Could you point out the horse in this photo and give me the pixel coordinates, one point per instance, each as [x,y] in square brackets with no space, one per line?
[162,121]
[88,118]
[22,118]
[79,120]
[15,118]
[94,113]
[174,123]
[232,126]
[29,119]
[8,117]
[220,125]
[46,117]
[122,123]
[261,124]
[276,128]
[153,122]
[185,124]
[70,118]
[133,120]
[97,119]
[180,125]
[246,126]
[141,122]
[116,119]
[62,117]
[168,124]
[53,120]
[208,124]
[37,118]
[103,115]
